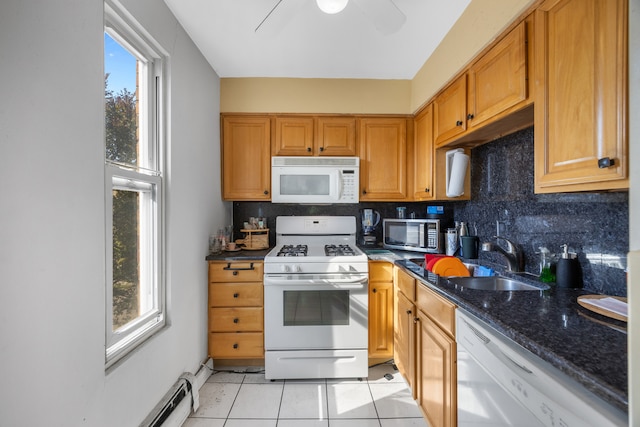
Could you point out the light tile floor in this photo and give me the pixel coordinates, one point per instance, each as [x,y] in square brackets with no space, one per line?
[234,399]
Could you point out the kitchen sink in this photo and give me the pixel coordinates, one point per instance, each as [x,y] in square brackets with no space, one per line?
[494,283]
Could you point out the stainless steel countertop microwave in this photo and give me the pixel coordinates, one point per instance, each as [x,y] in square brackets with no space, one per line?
[422,235]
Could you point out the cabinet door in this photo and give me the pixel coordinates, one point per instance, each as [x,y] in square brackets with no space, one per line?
[246,158]
[436,373]
[381,319]
[499,79]
[294,136]
[581,95]
[383,153]
[450,111]
[336,136]
[404,339]
[423,155]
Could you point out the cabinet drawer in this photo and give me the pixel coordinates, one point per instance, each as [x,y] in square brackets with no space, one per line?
[437,308]
[406,284]
[229,345]
[245,319]
[235,294]
[380,271]
[236,271]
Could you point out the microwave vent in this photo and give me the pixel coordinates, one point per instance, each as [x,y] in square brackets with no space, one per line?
[315,161]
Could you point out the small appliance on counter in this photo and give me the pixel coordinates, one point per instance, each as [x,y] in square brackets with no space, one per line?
[369,220]
[422,235]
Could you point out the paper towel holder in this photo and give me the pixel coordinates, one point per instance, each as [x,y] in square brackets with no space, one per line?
[456,170]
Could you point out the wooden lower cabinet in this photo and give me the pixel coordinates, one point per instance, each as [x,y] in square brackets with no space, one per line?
[236,313]
[404,336]
[436,373]
[436,358]
[404,331]
[380,310]
[425,349]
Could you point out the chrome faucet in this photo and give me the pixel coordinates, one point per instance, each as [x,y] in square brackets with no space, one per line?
[515,256]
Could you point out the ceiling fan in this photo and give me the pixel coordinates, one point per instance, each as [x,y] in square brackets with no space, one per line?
[384,14]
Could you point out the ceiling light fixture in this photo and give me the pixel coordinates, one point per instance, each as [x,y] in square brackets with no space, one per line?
[332,6]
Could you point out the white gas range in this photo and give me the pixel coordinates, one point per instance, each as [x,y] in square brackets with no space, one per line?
[316,300]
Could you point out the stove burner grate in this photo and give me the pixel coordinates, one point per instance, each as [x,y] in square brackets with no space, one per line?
[291,250]
[339,250]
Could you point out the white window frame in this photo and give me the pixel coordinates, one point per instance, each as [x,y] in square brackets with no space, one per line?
[146,178]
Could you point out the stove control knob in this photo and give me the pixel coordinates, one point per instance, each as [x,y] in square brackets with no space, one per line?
[284,268]
[296,268]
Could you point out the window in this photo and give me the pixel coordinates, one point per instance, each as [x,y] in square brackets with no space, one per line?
[135,290]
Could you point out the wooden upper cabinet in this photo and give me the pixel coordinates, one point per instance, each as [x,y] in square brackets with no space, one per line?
[450,111]
[383,154]
[335,136]
[294,136]
[246,158]
[423,155]
[581,95]
[498,80]
[319,136]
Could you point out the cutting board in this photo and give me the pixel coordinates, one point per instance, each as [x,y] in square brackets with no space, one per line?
[584,302]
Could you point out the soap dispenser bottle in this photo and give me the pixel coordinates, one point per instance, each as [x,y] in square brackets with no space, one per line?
[568,273]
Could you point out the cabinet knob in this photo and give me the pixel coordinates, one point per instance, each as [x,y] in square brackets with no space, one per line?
[266,192]
[235,273]
[235,345]
[364,191]
[374,290]
[469,116]
[408,311]
[416,320]
[459,123]
[426,190]
[236,295]
[606,162]
[308,149]
[321,149]
[236,320]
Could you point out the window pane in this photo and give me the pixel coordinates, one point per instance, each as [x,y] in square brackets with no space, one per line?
[121,103]
[126,253]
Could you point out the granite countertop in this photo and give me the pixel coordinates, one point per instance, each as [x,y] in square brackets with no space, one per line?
[589,348]
[241,255]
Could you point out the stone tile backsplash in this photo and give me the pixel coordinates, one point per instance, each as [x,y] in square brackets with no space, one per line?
[595,225]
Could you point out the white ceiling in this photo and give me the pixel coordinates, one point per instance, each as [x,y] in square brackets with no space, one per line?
[299,40]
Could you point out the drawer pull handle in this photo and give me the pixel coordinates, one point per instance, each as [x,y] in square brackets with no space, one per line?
[235,345]
[236,295]
[236,320]
[236,269]
[606,162]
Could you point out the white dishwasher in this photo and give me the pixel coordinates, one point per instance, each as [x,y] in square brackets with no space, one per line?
[502,384]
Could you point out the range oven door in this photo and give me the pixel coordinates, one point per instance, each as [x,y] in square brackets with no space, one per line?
[316,311]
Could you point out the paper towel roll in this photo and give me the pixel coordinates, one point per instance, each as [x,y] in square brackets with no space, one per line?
[457,162]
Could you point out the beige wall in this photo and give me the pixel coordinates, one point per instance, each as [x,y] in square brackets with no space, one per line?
[479,24]
[280,95]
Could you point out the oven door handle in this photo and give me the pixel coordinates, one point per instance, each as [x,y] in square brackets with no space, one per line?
[339,284]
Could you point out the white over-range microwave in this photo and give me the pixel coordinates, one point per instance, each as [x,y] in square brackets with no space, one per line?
[315,180]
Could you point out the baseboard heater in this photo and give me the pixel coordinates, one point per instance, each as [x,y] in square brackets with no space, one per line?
[182,397]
